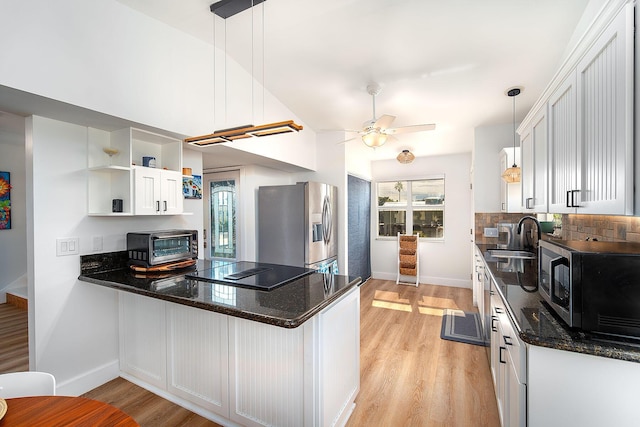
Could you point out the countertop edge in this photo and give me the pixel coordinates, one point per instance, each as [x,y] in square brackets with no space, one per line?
[288,323]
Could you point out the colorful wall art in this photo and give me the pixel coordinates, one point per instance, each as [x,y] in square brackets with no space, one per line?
[192,187]
[5,201]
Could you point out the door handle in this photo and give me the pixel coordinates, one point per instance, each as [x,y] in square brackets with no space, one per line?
[165,205]
[500,355]
[526,203]
[507,340]
[157,205]
[493,324]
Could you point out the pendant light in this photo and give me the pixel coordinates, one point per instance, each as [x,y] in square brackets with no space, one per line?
[226,9]
[513,173]
[406,157]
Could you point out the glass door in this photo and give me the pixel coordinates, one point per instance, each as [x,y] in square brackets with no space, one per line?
[221,232]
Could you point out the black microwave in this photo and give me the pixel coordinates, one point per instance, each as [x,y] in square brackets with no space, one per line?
[150,248]
[592,285]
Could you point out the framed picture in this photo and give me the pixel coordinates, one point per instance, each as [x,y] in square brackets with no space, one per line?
[192,187]
[5,201]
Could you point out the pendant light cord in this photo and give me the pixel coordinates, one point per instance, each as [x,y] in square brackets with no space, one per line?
[514,130]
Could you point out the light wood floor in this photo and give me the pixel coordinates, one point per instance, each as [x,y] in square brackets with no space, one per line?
[14,347]
[408,375]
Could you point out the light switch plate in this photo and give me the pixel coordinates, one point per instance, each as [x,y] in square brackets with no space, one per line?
[67,246]
[490,232]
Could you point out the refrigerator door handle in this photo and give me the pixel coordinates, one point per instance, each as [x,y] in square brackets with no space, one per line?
[326,221]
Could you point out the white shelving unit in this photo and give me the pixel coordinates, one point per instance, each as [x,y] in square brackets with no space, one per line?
[112,177]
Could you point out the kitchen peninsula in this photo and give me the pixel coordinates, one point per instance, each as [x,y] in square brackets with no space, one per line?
[239,356]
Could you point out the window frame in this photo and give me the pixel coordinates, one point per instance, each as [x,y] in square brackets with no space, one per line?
[409,208]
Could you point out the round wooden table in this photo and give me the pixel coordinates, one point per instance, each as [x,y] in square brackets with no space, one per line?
[62,411]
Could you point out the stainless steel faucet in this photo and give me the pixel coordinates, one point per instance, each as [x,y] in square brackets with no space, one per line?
[534,219]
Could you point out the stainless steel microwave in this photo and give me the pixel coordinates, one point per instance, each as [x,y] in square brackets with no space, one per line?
[149,248]
[592,285]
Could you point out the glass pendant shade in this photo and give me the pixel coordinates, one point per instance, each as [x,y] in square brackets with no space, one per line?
[374,139]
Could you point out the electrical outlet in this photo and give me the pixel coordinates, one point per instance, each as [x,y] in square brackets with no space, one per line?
[67,246]
[97,243]
[490,232]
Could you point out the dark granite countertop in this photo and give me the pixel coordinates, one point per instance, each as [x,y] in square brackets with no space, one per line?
[287,306]
[536,322]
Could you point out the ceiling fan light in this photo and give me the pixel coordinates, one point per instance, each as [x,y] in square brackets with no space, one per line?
[406,157]
[374,139]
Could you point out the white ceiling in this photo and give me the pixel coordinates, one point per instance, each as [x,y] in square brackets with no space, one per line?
[444,62]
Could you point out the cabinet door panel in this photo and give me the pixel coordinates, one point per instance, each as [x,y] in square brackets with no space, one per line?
[171,187]
[528,173]
[539,149]
[605,125]
[562,146]
[147,191]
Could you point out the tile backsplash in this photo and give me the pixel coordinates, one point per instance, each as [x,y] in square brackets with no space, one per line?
[574,227]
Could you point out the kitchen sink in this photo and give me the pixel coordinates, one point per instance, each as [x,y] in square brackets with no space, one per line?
[506,253]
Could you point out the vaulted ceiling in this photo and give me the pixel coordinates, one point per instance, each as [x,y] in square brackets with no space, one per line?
[443,62]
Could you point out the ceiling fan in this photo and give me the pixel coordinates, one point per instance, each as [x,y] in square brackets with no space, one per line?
[376,132]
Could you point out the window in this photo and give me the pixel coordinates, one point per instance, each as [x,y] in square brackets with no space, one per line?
[416,205]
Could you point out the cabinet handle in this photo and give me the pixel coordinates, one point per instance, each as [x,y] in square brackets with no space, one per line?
[157,205]
[498,310]
[573,200]
[507,340]
[500,355]
[493,324]
[526,203]
[503,208]
[568,199]
[165,205]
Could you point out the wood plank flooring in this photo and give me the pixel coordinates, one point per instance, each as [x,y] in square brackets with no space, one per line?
[408,375]
[14,347]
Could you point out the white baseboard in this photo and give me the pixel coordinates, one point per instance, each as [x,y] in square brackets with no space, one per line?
[439,281]
[89,380]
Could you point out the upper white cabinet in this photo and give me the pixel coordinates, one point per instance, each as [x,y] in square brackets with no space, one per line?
[581,130]
[605,121]
[534,164]
[116,172]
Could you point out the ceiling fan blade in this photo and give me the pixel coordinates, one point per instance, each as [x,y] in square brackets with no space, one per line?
[346,140]
[413,128]
[384,121]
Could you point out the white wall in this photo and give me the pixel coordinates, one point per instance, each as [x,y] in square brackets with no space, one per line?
[13,261]
[489,141]
[444,262]
[73,329]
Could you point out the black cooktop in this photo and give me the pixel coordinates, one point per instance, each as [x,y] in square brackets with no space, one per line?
[254,275]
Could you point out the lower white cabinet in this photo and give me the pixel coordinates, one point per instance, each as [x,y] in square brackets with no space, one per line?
[197,357]
[508,366]
[157,191]
[143,339]
[251,373]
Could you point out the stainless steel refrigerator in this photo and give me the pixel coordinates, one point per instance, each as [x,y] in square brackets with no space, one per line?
[297,225]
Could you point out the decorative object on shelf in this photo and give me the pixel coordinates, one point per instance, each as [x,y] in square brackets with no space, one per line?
[111,152]
[408,258]
[192,187]
[116,205]
[226,9]
[5,201]
[149,161]
[513,173]
[187,171]
[406,157]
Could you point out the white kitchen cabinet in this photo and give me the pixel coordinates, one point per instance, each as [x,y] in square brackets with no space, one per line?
[197,357]
[252,373]
[508,366]
[510,193]
[157,191]
[591,127]
[533,144]
[113,157]
[143,339]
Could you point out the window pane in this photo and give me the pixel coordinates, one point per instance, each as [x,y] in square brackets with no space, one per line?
[427,192]
[390,223]
[392,194]
[428,223]
[223,219]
